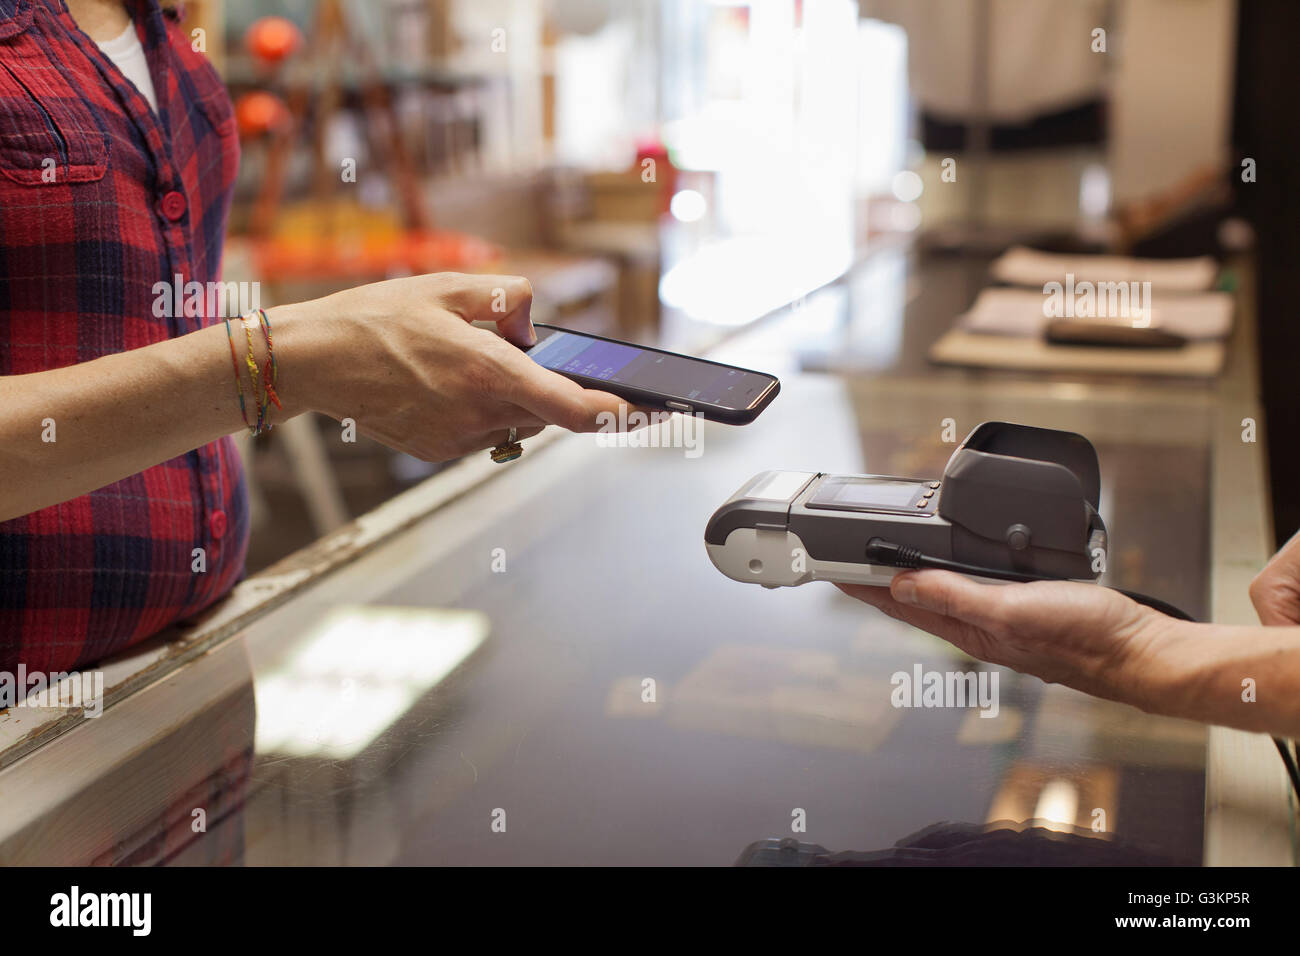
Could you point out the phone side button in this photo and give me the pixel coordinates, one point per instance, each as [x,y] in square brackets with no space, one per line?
[679,407]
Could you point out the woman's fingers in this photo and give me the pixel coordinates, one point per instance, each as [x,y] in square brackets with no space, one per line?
[564,402]
[449,387]
[505,300]
[492,439]
[504,416]
[518,380]
[470,444]
[554,398]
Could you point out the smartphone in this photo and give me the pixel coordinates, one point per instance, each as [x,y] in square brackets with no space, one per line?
[655,378]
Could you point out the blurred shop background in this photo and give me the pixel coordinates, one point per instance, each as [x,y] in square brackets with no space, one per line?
[671,172]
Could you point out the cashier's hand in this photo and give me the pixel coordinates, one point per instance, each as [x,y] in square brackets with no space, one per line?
[1275,592]
[402,360]
[1081,635]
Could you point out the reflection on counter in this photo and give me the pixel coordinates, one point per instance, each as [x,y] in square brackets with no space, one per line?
[322,700]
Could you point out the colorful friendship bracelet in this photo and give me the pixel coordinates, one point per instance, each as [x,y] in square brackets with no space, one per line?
[269,373]
[254,373]
[239,388]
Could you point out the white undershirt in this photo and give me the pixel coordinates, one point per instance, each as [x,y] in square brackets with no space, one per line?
[128,56]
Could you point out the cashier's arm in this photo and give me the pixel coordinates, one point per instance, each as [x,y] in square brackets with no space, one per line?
[1100,642]
[400,358]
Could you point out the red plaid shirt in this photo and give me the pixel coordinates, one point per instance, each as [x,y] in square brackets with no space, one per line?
[135,199]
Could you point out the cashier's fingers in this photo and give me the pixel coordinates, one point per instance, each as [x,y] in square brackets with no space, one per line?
[955,632]
[986,606]
[934,597]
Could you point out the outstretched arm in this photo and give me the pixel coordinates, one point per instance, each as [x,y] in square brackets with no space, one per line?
[400,358]
[1101,642]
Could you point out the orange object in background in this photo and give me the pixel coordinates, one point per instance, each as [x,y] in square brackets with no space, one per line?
[371,257]
[324,237]
[344,241]
[259,112]
[272,39]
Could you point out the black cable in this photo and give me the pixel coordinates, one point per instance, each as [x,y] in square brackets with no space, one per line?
[880,551]
[1291,770]
[894,555]
[1295,747]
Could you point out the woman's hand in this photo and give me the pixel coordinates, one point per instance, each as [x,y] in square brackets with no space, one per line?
[402,360]
[1275,592]
[1081,635]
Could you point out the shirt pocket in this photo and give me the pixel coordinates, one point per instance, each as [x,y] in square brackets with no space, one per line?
[47,132]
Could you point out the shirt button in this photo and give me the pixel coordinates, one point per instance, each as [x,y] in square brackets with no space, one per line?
[217,523]
[173,205]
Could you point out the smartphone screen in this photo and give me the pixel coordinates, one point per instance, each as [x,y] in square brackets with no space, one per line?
[647,375]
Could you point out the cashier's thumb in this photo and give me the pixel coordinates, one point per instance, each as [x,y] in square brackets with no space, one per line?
[945,593]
